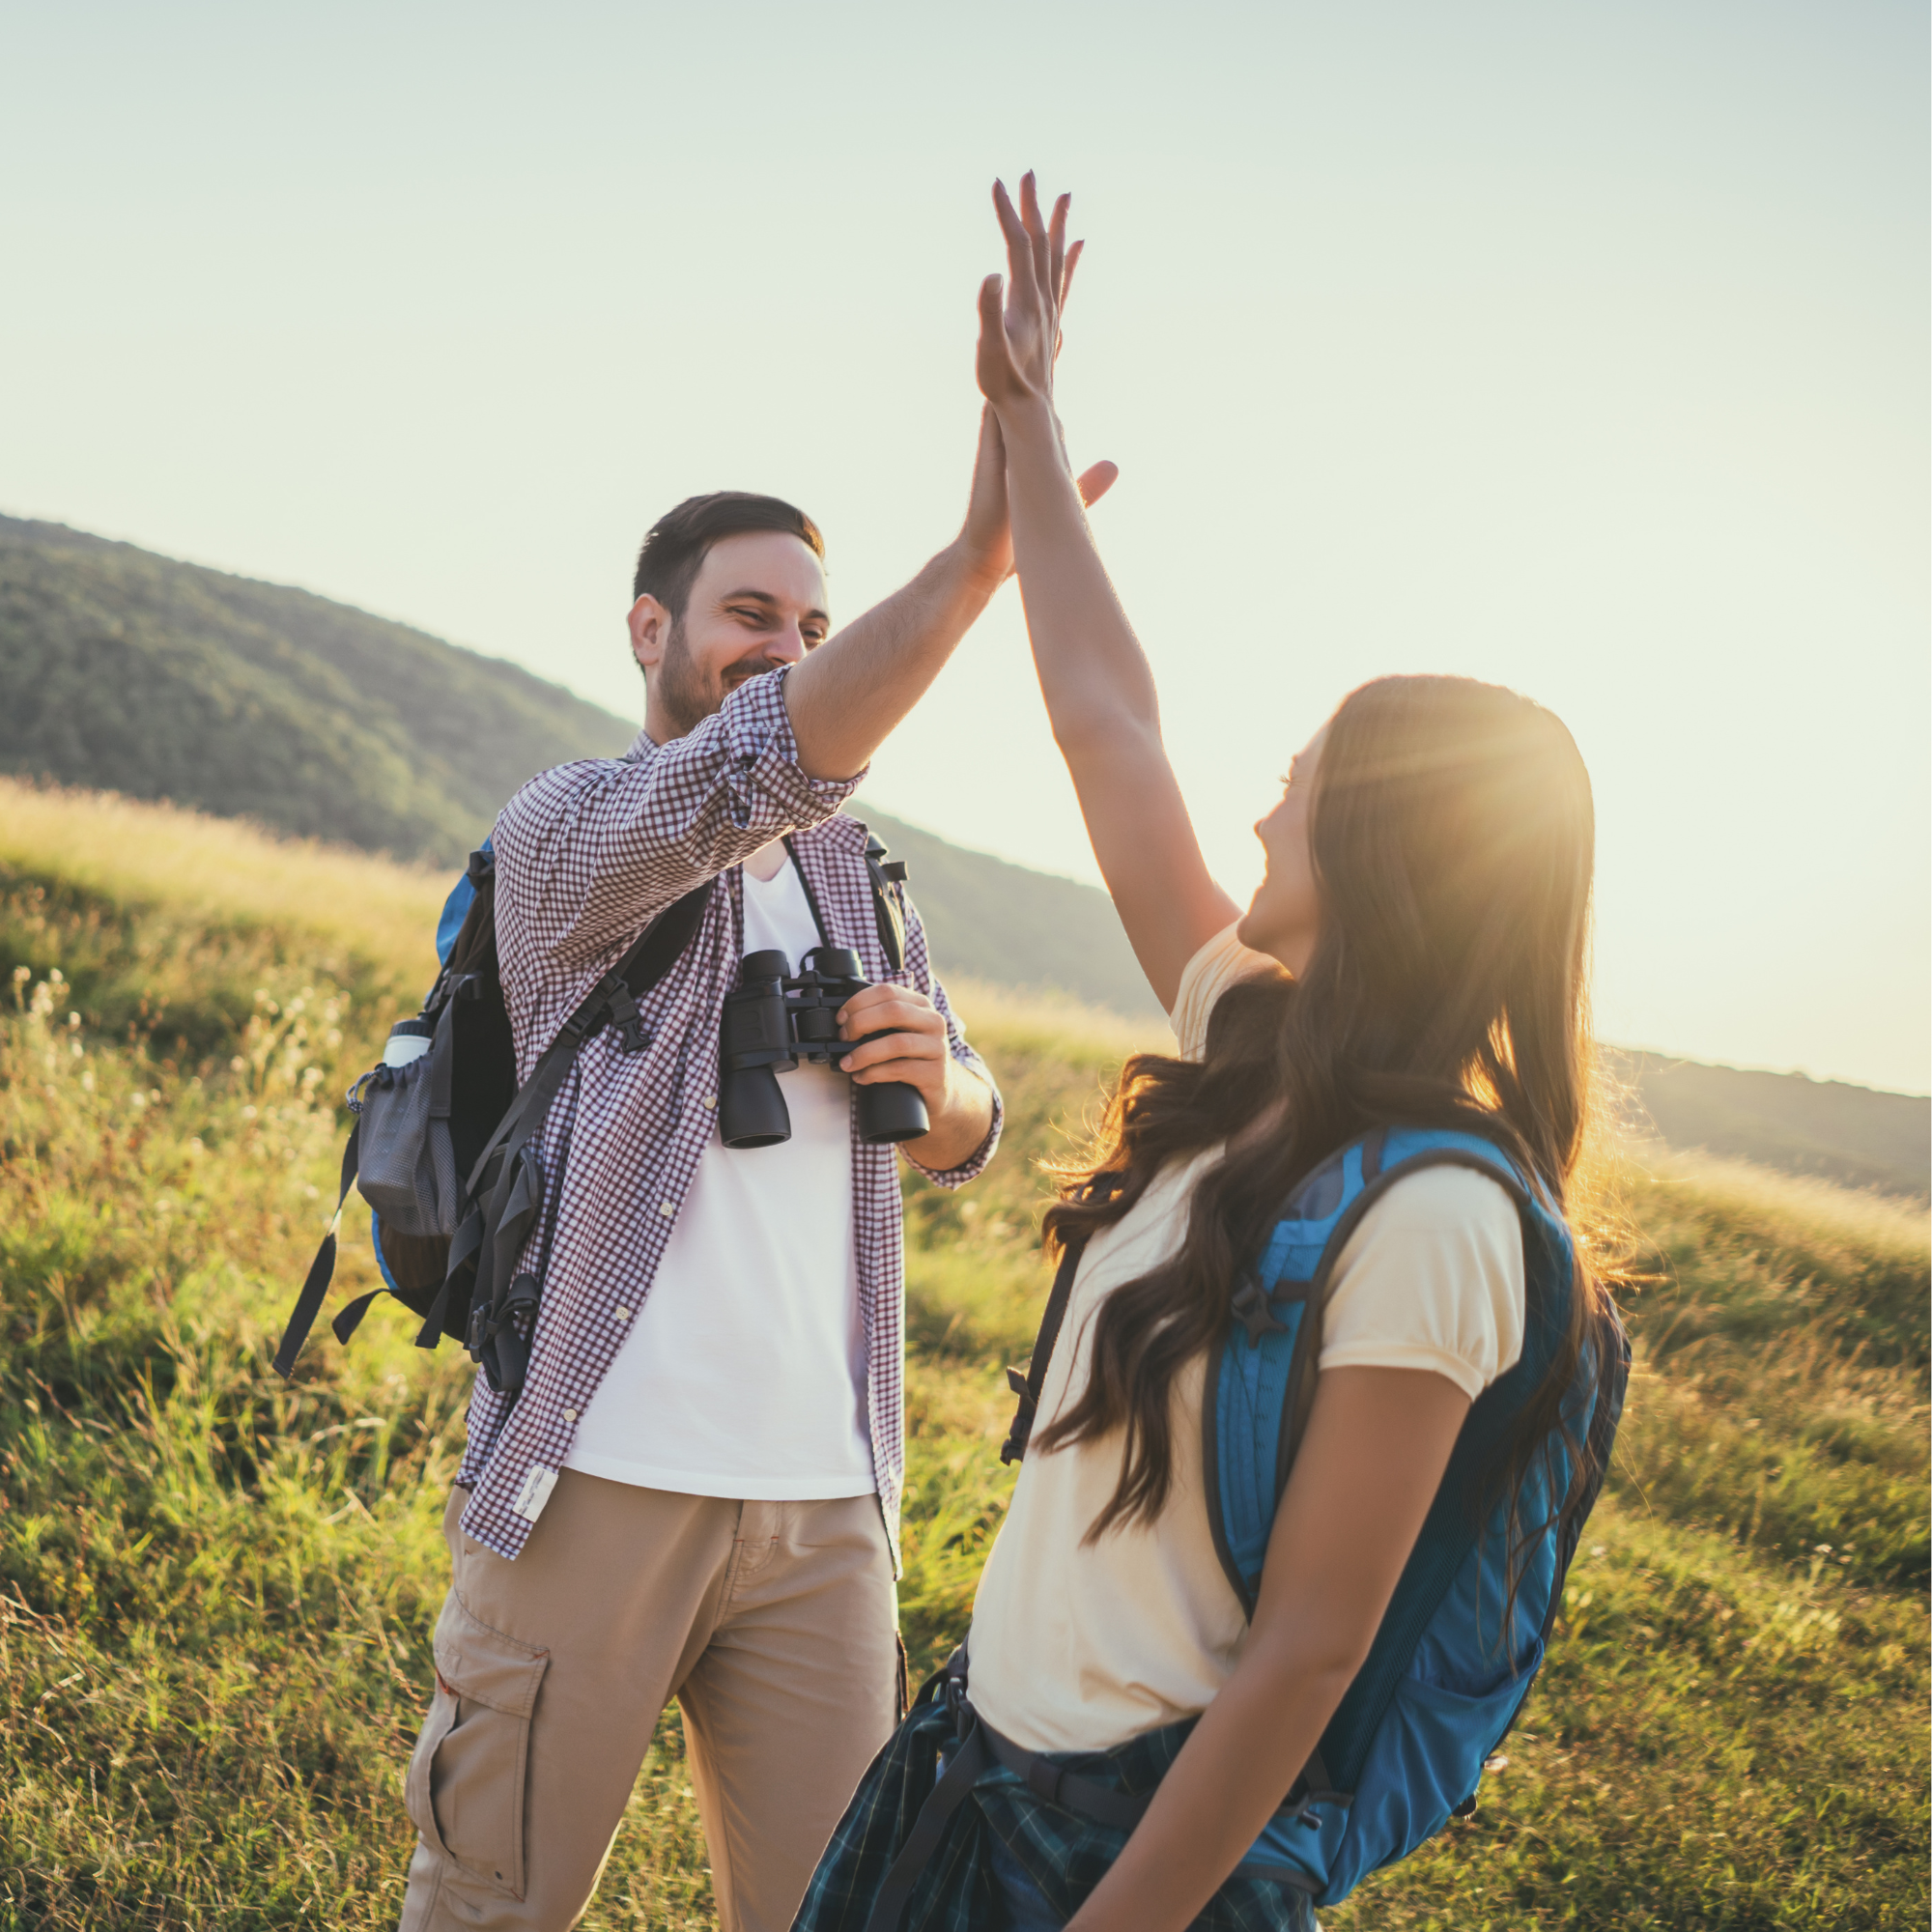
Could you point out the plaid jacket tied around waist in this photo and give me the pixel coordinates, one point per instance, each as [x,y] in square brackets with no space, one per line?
[1066,1855]
[586,854]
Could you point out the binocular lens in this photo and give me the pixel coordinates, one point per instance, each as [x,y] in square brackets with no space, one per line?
[770,1022]
[752,1111]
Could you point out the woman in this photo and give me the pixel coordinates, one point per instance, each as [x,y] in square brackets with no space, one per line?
[1414,957]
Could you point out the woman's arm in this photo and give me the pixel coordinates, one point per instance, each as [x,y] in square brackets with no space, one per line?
[1098,688]
[1377,1443]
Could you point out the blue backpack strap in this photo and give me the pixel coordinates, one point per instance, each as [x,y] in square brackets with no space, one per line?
[456,907]
[1261,1382]
[1452,1528]
[1261,1373]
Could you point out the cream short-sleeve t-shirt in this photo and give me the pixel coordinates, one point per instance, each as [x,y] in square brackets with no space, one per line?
[1079,1647]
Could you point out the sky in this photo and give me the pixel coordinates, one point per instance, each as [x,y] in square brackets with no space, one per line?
[1579,348]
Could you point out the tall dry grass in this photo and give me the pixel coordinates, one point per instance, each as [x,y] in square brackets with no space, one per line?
[217,1591]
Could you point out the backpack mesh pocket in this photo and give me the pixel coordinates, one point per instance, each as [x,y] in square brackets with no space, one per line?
[407,1164]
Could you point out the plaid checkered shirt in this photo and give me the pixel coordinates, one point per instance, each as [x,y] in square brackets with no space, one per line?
[585,854]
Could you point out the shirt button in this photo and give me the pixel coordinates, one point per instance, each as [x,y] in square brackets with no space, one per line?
[623,1314]
[570,1415]
[710,1103]
[667,1209]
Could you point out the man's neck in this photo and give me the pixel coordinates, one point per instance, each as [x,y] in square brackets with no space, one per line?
[767,862]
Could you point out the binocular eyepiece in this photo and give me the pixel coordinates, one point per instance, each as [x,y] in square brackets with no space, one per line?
[772,1020]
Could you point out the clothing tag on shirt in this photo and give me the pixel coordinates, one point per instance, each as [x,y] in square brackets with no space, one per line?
[535,1493]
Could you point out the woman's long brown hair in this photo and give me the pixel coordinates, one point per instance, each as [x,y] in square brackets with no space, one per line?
[1452,833]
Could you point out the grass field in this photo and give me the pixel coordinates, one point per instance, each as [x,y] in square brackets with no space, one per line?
[217,1592]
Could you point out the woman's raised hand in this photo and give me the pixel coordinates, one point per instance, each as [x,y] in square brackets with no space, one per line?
[1020,338]
[1098,688]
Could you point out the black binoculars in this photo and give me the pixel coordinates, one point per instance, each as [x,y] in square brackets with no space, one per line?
[772,1020]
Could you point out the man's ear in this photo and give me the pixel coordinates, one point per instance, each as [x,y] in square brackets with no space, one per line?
[650,631]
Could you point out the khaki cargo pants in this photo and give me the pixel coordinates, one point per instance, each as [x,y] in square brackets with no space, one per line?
[772,1624]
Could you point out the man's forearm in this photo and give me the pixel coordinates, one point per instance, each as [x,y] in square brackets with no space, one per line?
[848,693]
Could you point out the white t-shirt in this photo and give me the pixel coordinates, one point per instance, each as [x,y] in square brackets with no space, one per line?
[744,1372]
[1079,1647]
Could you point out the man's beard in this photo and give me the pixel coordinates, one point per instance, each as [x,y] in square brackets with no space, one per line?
[683,695]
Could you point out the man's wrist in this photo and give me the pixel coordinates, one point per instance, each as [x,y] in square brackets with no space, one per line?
[969,577]
[974,572]
[961,1119]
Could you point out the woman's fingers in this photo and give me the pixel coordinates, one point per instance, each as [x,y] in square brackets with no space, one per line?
[1036,231]
[1041,268]
[1019,247]
[1056,250]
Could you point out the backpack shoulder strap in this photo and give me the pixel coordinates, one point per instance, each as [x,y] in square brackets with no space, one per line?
[1027,1386]
[888,877]
[321,1270]
[1261,1375]
[614,999]
[1388,1156]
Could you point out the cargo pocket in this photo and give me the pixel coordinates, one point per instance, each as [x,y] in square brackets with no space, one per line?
[465,1789]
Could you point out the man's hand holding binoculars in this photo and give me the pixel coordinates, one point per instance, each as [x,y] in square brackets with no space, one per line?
[891,1040]
[902,1038]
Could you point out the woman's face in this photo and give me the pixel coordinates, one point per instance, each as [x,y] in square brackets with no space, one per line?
[1283,915]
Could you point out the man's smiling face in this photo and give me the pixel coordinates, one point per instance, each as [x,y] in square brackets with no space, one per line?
[758,601]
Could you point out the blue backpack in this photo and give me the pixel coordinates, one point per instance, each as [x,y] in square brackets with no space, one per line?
[1448,1672]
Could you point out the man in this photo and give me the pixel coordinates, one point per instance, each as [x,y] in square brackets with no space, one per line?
[695,1495]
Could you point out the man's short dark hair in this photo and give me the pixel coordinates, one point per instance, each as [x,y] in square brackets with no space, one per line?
[674,547]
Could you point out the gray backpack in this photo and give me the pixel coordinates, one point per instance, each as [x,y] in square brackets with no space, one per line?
[444,1150]
[443,1144]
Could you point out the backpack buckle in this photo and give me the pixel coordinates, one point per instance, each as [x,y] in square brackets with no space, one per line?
[1250,1308]
[633,1035]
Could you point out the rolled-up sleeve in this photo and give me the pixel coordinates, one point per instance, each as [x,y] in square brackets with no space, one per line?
[919,969]
[588,852]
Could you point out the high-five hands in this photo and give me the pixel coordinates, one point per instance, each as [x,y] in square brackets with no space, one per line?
[1019,347]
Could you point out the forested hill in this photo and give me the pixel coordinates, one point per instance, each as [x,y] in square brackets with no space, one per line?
[121,670]
[125,672]
[136,673]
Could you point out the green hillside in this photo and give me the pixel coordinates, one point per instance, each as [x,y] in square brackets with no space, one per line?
[121,670]
[1854,1135]
[125,672]
[138,674]
[217,1592]
[1014,927]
